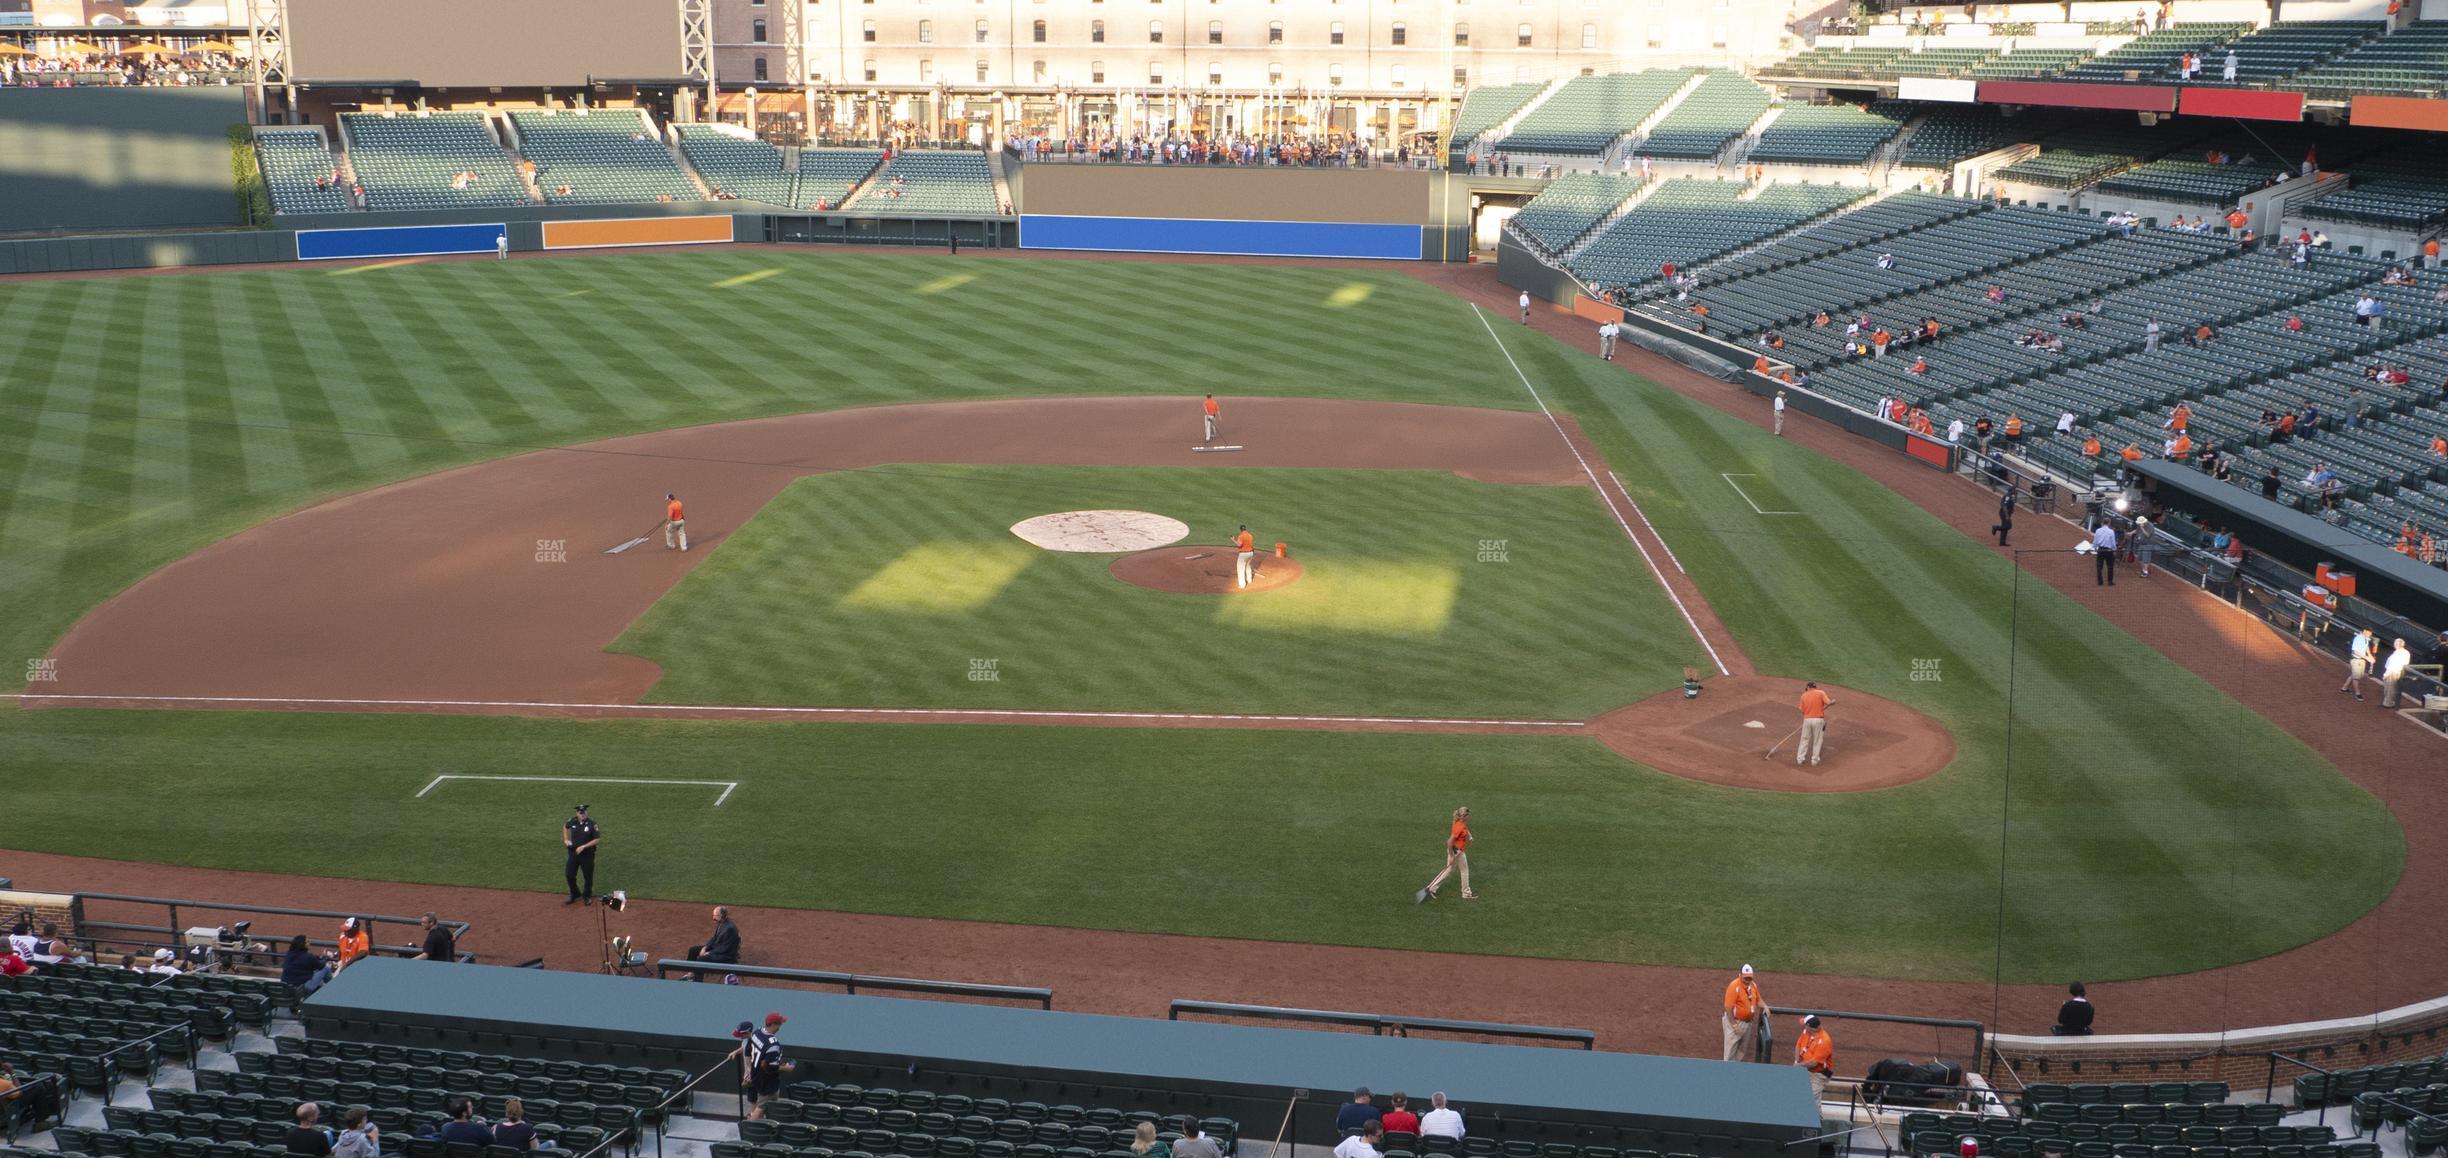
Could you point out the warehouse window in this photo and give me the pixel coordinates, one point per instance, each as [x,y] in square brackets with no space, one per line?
[1462,36]
[1521,36]
[1155,32]
[756,31]
[1589,36]
[1215,32]
[1274,32]
[1096,32]
[926,31]
[760,68]
[1334,33]
[1037,32]
[1402,35]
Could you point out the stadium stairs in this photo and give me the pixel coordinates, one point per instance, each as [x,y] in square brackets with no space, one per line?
[1480,141]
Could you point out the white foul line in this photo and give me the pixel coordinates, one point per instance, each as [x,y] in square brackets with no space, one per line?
[727,786]
[919,713]
[1603,496]
[1663,545]
[1746,496]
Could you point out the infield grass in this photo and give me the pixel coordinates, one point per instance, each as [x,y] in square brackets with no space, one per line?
[903,586]
[2108,815]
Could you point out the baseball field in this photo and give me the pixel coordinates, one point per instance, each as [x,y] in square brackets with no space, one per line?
[298,573]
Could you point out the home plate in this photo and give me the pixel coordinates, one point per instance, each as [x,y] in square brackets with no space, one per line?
[1753,724]
[1204,449]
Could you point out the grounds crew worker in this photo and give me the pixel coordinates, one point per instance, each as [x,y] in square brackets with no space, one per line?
[674,523]
[1814,1052]
[1745,1015]
[1245,556]
[1814,723]
[580,836]
[1211,414]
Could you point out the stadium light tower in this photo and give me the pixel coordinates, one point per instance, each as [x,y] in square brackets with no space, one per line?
[268,36]
[697,49]
[794,64]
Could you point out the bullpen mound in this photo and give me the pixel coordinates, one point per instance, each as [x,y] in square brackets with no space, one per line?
[1191,569]
[1722,736]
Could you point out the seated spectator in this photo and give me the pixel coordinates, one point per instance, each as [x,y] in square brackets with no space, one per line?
[1356,1113]
[1400,1119]
[167,963]
[1368,1143]
[1919,366]
[306,1137]
[1441,1120]
[358,1138]
[13,964]
[1194,1144]
[1145,1144]
[722,946]
[513,1130]
[1996,294]
[463,1125]
[2294,323]
[302,968]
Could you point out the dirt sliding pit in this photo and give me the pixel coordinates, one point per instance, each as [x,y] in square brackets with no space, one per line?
[1194,569]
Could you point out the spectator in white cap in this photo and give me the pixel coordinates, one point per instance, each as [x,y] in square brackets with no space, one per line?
[165,961]
[1744,1013]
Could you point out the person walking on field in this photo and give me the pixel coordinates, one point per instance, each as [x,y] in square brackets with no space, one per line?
[1813,1051]
[1457,859]
[1814,723]
[2103,554]
[1606,340]
[2359,657]
[675,528]
[1525,307]
[1745,1013]
[1245,557]
[1213,416]
[1780,414]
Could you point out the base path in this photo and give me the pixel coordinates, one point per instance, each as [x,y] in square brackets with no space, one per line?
[490,582]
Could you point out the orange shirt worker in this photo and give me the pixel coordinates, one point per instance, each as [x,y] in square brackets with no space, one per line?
[1457,859]
[1245,556]
[1212,414]
[1814,723]
[1745,1015]
[1815,1053]
[673,524]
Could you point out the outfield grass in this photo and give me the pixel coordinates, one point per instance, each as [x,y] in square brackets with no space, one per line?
[889,587]
[2145,824]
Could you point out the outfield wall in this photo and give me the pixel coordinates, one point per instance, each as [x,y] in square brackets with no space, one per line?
[117,158]
[1371,214]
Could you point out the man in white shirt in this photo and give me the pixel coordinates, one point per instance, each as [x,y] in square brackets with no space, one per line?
[2065,422]
[1525,307]
[2390,674]
[2227,73]
[1780,414]
[1363,1144]
[2359,657]
[2150,335]
[1955,431]
[2103,554]
[1606,340]
[1441,1121]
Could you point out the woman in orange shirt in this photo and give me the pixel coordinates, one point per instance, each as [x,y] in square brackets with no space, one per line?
[1457,859]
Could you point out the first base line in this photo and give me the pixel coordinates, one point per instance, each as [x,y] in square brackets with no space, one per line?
[727,786]
[911,713]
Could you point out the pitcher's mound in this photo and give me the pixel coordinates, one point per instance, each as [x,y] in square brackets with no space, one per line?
[1101,532]
[1722,736]
[1195,570]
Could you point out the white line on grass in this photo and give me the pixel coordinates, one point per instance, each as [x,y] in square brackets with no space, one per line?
[1644,518]
[1746,495]
[727,786]
[1603,496]
[915,713]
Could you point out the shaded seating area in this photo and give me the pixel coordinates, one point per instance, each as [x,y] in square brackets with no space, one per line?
[2411,62]
[1833,134]
[1720,109]
[2153,57]
[1484,108]
[1591,113]
[826,176]
[919,181]
[1567,208]
[299,171]
[1691,221]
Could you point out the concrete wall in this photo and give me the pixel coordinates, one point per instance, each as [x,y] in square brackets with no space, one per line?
[117,158]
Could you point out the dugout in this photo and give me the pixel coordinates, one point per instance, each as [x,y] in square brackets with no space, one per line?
[1251,1073]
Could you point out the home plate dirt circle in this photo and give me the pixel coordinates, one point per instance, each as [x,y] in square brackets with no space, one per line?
[1193,569]
[1723,736]
[1101,532]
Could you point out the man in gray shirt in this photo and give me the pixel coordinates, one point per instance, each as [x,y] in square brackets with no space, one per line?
[1194,1144]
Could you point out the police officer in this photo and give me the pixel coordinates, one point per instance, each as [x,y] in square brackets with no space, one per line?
[580,836]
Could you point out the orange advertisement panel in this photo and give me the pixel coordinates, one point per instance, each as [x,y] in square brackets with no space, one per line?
[1595,310]
[637,231]
[2386,112]
[1927,450]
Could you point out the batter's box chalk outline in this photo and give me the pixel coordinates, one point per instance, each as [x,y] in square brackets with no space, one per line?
[1746,497]
[727,786]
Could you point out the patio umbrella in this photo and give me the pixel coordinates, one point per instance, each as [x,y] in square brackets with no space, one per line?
[13,50]
[147,50]
[213,46]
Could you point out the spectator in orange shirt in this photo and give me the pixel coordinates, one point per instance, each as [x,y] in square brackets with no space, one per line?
[355,943]
[2439,445]
[1920,366]
[1814,724]
[2179,417]
[1878,342]
[1813,1051]
[1759,364]
[2091,446]
[2131,453]
[1457,859]
[1745,1013]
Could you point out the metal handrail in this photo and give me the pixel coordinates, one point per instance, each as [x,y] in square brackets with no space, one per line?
[173,931]
[676,1095]
[853,982]
[111,1086]
[1379,1023]
[1980,1029]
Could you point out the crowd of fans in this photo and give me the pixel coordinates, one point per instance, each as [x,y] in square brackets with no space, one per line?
[1324,151]
[101,68]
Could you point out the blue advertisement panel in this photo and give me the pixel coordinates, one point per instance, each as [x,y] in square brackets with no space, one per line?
[398,241]
[1258,238]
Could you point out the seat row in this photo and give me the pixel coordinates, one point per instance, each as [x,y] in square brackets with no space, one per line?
[251,1001]
[640,1094]
[1589,113]
[1715,112]
[1484,108]
[1690,221]
[486,1063]
[862,1107]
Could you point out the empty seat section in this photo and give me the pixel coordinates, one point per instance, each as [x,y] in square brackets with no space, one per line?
[294,160]
[919,181]
[737,164]
[1590,113]
[1828,134]
[1565,210]
[1720,109]
[599,156]
[430,161]
[1689,221]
